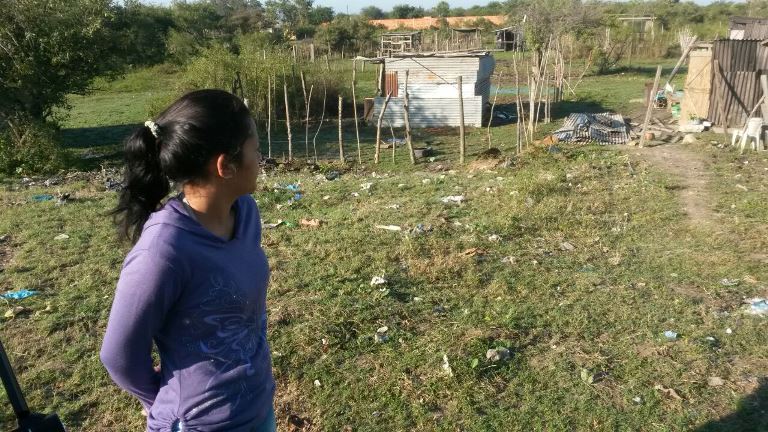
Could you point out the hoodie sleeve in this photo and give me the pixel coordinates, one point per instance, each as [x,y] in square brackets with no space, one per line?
[147,289]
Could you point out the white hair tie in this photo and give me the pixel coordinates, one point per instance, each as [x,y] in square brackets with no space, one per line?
[152,127]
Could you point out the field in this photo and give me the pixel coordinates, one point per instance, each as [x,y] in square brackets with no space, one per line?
[574,258]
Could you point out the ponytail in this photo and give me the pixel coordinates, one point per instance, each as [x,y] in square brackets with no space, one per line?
[177,147]
[144,184]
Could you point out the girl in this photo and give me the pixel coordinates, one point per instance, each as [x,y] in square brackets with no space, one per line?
[195,281]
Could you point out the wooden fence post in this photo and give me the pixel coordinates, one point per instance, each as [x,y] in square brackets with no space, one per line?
[462,142]
[408,121]
[650,105]
[354,108]
[288,122]
[269,116]
[341,139]
[378,128]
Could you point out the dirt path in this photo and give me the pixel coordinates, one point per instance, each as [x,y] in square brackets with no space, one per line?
[690,169]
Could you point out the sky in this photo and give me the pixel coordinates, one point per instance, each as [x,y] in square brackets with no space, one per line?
[354,6]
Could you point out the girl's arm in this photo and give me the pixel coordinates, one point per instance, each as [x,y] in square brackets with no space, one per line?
[147,289]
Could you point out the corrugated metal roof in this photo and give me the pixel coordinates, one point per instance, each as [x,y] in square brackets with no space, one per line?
[604,128]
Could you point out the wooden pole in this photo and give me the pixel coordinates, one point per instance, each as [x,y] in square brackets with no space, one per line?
[681,60]
[354,108]
[378,128]
[650,105]
[306,127]
[408,137]
[269,116]
[288,122]
[341,139]
[493,105]
[306,107]
[322,118]
[462,142]
[312,52]
[327,63]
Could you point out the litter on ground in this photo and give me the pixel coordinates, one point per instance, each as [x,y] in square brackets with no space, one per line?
[18,295]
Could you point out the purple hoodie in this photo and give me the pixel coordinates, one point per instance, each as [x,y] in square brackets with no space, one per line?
[202,300]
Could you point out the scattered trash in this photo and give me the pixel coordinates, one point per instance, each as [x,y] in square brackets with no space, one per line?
[113,185]
[715,381]
[457,199]
[18,295]
[294,187]
[447,366]
[62,199]
[327,197]
[381,335]
[311,223]
[273,225]
[366,186]
[757,306]
[422,152]
[565,246]
[18,310]
[742,187]
[317,383]
[389,227]
[53,181]
[473,252]
[378,280]
[509,260]
[605,128]
[426,181]
[668,391]
[355,194]
[420,229]
[42,197]
[61,237]
[497,354]
[637,399]
[332,175]
[393,206]
[729,282]
[728,331]
[669,334]
[396,141]
[494,238]
[401,185]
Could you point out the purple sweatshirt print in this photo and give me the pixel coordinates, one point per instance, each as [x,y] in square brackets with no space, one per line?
[202,301]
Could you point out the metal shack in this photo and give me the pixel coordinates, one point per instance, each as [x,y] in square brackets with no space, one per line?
[433,93]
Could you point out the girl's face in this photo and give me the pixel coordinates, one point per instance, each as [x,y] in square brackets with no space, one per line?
[248,171]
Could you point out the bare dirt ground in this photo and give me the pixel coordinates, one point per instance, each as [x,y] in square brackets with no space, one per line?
[690,169]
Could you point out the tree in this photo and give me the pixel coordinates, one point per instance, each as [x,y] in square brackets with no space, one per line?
[139,32]
[346,31]
[442,9]
[320,14]
[51,49]
[406,11]
[372,12]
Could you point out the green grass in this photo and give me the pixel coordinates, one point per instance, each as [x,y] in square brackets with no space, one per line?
[638,268]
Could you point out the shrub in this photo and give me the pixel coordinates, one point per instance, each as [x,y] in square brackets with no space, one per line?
[29,147]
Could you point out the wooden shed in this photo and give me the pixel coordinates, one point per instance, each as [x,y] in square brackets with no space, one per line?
[510,39]
[432,88]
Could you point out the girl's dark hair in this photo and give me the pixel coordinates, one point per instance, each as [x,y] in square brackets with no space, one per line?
[184,138]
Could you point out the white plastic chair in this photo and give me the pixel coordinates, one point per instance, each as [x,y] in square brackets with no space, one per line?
[751,132]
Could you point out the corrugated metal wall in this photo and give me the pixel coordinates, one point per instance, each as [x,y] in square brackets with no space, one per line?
[736,83]
[430,112]
[433,91]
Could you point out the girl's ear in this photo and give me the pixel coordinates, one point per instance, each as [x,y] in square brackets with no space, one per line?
[223,167]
